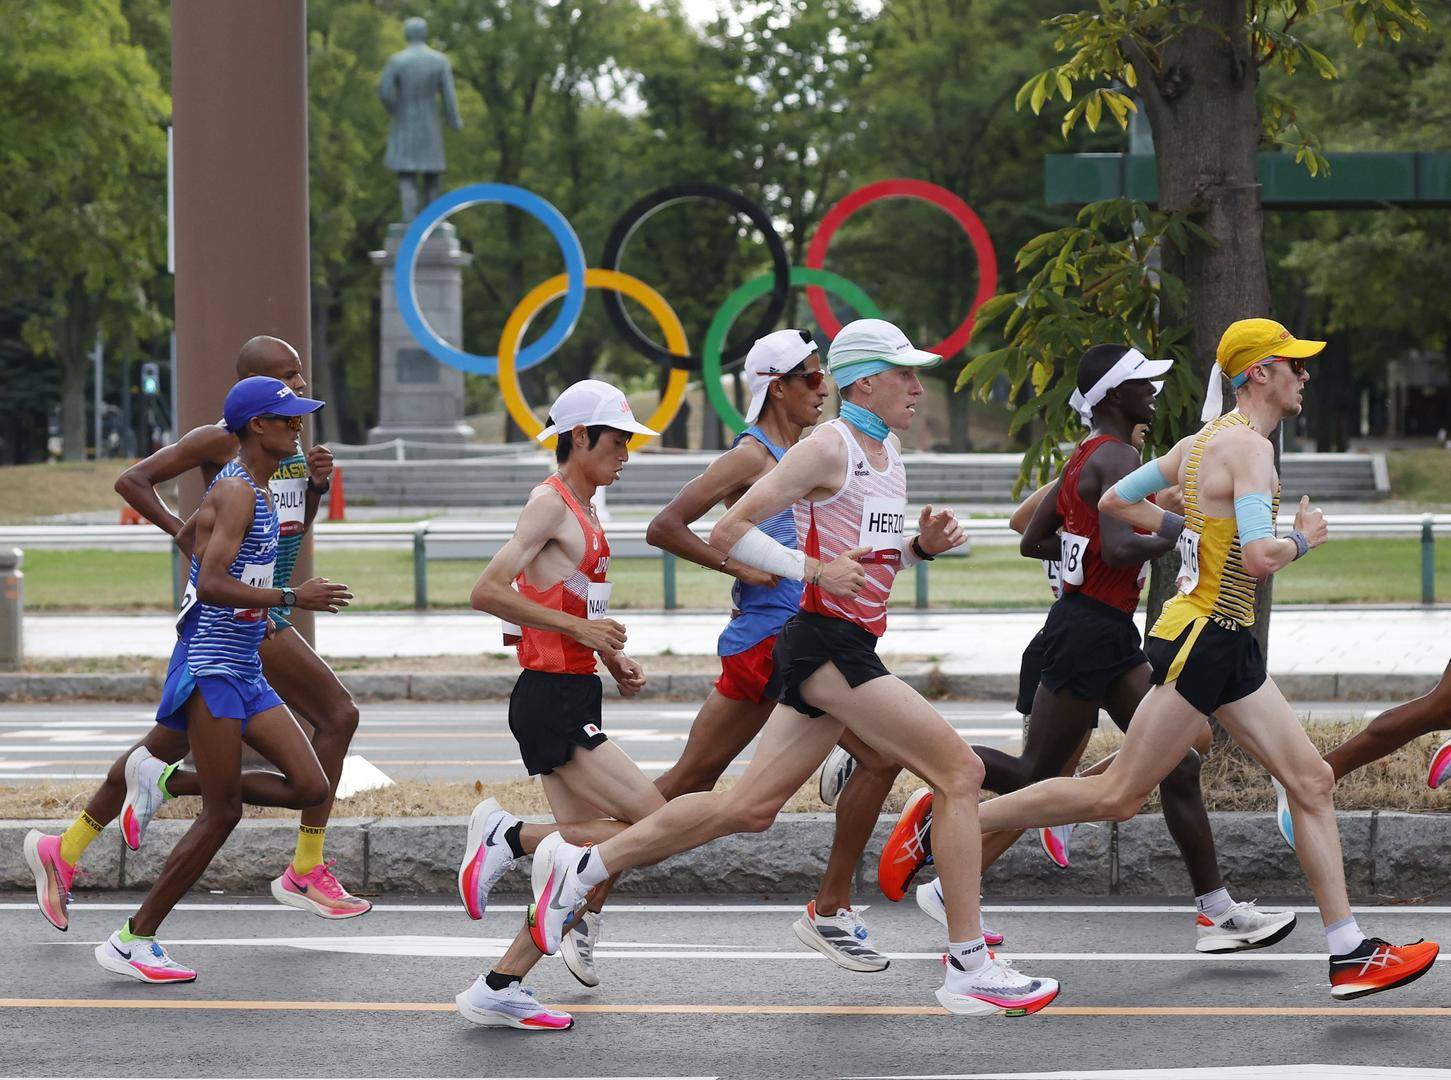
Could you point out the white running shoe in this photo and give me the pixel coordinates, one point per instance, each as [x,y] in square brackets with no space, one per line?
[1282,814]
[996,987]
[930,900]
[487,856]
[1242,927]
[143,795]
[577,947]
[836,770]
[558,892]
[1054,839]
[511,1007]
[841,938]
[143,959]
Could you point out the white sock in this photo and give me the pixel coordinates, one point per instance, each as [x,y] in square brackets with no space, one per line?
[970,954]
[1216,903]
[1343,936]
[592,869]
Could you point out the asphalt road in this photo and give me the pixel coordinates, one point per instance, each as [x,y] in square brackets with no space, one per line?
[439,741]
[692,989]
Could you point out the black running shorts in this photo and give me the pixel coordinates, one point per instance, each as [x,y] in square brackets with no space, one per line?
[1087,644]
[550,713]
[1030,673]
[1209,664]
[809,640]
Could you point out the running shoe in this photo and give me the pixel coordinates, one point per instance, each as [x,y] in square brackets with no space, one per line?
[908,848]
[836,770]
[1054,839]
[996,987]
[1440,767]
[558,892]
[487,857]
[143,958]
[1282,814]
[511,1007]
[577,948]
[319,892]
[53,877]
[143,795]
[841,938]
[929,899]
[1243,927]
[1377,965]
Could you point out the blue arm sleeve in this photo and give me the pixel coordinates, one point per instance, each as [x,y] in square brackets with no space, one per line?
[1142,482]
[1252,516]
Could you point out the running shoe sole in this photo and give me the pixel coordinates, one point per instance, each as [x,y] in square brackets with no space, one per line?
[905,829]
[130,834]
[826,784]
[967,1005]
[1052,848]
[468,870]
[812,939]
[303,903]
[120,967]
[1231,943]
[1351,994]
[540,880]
[570,955]
[484,1018]
[1440,767]
[42,879]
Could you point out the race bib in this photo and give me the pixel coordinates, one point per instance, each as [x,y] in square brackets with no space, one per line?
[1074,549]
[513,632]
[1188,578]
[881,530]
[1054,569]
[188,598]
[258,575]
[1144,572]
[290,495]
[598,598]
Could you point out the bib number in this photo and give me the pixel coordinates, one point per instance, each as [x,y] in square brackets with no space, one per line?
[1144,572]
[881,529]
[188,598]
[258,575]
[598,598]
[1074,549]
[289,494]
[1054,569]
[1188,578]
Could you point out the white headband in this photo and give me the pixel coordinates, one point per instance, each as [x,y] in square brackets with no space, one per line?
[1125,370]
[1213,395]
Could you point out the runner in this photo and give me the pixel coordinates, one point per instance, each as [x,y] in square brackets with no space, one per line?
[1202,650]
[1091,652]
[298,674]
[548,584]
[848,488]
[787,384]
[214,685]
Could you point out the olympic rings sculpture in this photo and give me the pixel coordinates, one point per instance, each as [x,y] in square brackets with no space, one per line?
[578,278]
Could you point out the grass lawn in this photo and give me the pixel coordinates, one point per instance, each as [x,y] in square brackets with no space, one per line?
[1359,570]
[1420,476]
[28,492]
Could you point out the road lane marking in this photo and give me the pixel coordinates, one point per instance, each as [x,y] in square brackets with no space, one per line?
[625,907]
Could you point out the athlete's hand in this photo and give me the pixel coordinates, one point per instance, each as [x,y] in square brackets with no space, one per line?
[749,575]
[271,629]
[939,532]
[844,576]
[1311,521]
[602,635]
[629,675]
[319,464]
[1171,499]
[320,594]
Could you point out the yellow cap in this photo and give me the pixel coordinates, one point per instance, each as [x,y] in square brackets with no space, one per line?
[1249,341]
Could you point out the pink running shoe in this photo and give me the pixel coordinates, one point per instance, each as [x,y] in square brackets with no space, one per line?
[319,892]
[53,877]
[1054,839]
[1440,767]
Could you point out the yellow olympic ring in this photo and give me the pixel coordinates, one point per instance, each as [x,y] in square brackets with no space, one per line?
[635,289]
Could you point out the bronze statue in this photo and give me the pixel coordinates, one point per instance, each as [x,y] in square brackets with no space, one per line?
[412,80]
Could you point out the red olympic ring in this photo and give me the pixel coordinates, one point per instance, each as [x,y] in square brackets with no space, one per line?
[959,211]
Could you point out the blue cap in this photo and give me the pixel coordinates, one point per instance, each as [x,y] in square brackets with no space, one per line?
[259,395]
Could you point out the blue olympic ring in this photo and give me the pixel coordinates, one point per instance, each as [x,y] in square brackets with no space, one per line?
[471,195]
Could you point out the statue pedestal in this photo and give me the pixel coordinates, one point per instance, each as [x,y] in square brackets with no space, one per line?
[419,398]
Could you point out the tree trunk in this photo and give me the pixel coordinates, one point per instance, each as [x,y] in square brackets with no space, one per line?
[75,333]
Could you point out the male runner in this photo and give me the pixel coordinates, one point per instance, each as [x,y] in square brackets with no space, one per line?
[848,488]
[1091,653]
[787,384]
[1204,656]
[549,582]
[214,685]
[299,675]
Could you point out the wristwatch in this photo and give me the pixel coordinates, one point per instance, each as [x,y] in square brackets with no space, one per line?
[319,489]
[918,550]
[289,598]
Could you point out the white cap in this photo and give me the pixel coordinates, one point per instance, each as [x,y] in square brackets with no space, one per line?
[868,346]
[590,402]
[771,357]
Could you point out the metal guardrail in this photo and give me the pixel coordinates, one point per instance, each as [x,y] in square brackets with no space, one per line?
[456,538]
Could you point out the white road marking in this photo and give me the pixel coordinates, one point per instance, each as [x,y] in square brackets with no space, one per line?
[1253,1072]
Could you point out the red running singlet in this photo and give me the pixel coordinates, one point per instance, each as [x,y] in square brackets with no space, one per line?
[1083,568]
[584,593]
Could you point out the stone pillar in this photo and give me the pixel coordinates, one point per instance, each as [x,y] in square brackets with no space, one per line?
[419,398]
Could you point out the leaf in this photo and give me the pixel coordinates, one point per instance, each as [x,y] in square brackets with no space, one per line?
[1065,86]
[1040,93]
[1095,110]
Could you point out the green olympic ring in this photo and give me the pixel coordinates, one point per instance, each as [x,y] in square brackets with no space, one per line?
[737,302]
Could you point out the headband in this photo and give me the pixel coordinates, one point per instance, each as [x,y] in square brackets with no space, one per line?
[1128,368]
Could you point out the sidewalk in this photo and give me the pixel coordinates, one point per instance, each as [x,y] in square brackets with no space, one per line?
[1303,641]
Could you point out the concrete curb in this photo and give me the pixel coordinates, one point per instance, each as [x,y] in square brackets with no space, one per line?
[935,682]
[1393,856]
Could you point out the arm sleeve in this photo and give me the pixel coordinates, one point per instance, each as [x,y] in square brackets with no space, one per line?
[1142,482]
[1252,517]
[759,550]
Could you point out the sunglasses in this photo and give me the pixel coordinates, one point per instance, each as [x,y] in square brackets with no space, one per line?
[813,378]
[294,422]
[1297,364]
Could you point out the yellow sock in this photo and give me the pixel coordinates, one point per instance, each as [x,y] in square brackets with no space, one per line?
[75,840]
[309,848]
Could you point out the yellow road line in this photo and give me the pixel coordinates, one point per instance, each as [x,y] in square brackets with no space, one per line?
[722,1010]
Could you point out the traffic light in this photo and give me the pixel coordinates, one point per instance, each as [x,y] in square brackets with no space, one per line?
[150,379]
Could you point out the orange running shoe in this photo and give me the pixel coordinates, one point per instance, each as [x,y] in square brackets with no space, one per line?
[1378,965]
[909,847]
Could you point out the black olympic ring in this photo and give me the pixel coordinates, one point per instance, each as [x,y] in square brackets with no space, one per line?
[658,200]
